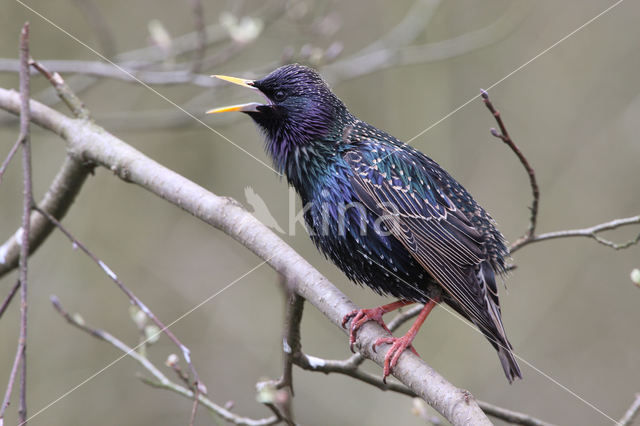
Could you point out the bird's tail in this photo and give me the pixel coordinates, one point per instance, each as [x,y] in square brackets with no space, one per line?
[494,329]
[508,361]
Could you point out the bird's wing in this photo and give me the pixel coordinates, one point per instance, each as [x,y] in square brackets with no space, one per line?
[437,234]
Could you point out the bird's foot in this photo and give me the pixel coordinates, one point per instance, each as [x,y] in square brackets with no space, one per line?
[360,316]
[398,346]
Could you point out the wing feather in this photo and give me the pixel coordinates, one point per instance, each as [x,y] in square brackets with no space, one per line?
[437,234]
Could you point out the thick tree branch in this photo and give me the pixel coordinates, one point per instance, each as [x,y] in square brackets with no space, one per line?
[57,200]
[88,142]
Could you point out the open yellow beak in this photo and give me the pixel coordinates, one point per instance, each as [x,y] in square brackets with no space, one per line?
[252,106]
[235,80]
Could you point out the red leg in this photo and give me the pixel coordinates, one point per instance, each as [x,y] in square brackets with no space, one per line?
[361,316]
[399,344]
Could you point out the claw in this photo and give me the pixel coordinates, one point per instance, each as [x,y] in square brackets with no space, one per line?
[390,341]
[347,317]
[359,317]
[393,355]
[398,346]
[381,341]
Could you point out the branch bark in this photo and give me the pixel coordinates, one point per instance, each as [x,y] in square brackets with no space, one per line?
[57,200]
[87,142]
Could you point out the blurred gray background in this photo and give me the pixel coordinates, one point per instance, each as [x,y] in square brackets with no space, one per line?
[570,309]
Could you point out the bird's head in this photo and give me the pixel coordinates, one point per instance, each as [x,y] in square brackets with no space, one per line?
[300,108]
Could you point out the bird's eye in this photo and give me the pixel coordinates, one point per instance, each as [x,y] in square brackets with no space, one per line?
[279,95]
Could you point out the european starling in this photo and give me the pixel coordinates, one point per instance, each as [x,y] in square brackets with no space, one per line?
[386,214]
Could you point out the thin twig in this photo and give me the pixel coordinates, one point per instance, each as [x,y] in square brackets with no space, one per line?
[223,55]
[530,235]
[631,413]
[162,380]
[64,91]
[99,24]
[9,157]
[591,232]
[503,134]
[194,406]
[132,297]
[276,400]
[406,31]
[172,362]
[201,44]
[27,201]
[20,360]
[107,70]
[7,300]
[291,339]
[312,363]
[12,378]
[277,395]
[511,416]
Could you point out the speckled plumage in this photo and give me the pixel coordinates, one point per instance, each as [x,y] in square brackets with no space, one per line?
[390,217]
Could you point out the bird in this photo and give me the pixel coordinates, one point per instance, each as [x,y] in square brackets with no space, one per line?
[386,214]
